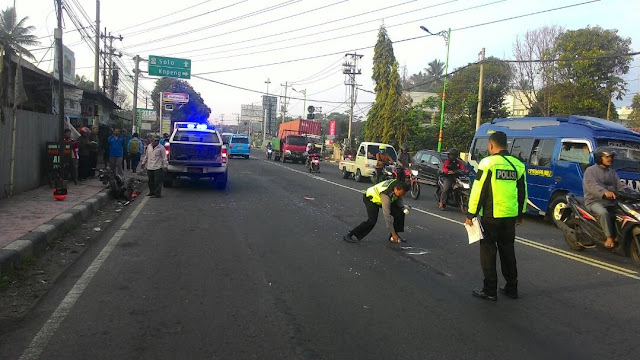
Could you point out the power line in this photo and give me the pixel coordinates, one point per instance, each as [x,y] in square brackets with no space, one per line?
[333,64]
[325,90]
[316,25]
[258,25]
[262,92]
[251,14]
[182,20]
[173,13]
[398,41]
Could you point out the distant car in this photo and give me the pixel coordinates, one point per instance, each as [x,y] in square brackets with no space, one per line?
[239,146]
[429,164]
[196,151]
[226,137]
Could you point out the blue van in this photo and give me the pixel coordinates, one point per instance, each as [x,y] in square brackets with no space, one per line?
[557,150]
[239,145]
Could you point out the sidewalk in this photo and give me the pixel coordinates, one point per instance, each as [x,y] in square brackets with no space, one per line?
[30,220]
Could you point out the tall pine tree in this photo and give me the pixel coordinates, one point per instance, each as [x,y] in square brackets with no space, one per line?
[386,112]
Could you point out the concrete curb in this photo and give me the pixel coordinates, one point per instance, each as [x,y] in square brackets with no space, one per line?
[36,241]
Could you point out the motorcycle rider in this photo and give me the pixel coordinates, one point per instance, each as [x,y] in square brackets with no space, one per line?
[449,168]
[600,185]
[405,159]
[382,159]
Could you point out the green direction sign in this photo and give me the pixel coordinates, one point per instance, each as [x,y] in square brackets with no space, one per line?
[169,67]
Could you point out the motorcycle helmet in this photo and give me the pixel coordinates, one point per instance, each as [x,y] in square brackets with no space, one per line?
[454,154]
[383,149]
[601,151]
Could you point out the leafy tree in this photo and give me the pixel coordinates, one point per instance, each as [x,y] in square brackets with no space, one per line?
[462,100]
[395,130]
[14,35]
[423,134]
[587,86]
[434,72]
[531,77]
[634,117]
[194,110]
[83,83]
[383,62]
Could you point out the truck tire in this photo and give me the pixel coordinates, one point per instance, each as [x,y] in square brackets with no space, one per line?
[221,183]
[345,173]
[358,176]
[168,181]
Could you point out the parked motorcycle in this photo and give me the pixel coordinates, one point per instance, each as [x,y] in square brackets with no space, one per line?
[459,194]
[269,154]
[582,230]
[313,163]
[118,186]
[409,175]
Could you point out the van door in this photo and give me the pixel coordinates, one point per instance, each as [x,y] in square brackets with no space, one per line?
[361,158]
[541,177]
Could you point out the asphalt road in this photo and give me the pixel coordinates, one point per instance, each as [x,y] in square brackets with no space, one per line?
[259,271]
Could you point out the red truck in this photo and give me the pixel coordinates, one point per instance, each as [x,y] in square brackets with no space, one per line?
[291,142]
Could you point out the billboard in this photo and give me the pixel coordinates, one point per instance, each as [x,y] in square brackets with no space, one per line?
[168,97]
[332,128]
[270,103]
[68,65]
[251,113]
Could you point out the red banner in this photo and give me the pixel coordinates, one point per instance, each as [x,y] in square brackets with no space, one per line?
[332,128]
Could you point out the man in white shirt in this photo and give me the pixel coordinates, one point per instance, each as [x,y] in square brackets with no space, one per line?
[155,161]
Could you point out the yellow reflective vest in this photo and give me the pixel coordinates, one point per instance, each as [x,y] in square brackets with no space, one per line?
[500,188]
[374,192]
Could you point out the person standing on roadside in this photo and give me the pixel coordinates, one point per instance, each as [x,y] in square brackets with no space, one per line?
[84,164]
[93,151]
[116,152]
[126,157]
[135,149]
[499,197]
[74,154]
[155,161]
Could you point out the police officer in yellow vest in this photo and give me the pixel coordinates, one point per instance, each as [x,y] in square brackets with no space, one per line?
[388,196]
[499,197]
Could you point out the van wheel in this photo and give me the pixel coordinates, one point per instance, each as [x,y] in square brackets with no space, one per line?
[358,176]
[558,204]
[345,173]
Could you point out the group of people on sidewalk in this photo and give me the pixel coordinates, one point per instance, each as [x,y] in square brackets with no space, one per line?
[124,150]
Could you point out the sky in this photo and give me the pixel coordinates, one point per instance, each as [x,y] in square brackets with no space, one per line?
[238,42]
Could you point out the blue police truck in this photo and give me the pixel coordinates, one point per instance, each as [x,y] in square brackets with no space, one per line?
[557,150]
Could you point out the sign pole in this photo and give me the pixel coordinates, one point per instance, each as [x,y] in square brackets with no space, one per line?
[134,122]
[58,36]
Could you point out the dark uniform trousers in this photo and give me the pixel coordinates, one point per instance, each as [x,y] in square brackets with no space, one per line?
[499,236]
[156,178]
[373,210]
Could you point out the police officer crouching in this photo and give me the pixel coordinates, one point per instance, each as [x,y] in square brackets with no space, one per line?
[499,197]
[388,196]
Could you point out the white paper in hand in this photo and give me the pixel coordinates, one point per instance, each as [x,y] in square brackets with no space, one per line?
[474,231]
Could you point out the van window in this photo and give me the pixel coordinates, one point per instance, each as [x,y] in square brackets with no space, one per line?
[542,152]
[480,149]
[522,149]
[575,151]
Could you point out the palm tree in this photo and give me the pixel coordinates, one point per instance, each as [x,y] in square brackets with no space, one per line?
[434,73]
[14,35]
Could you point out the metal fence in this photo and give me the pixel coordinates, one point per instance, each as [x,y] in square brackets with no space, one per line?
[33,130]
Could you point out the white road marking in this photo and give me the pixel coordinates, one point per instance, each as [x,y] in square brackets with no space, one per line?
[41,340]
[534,244]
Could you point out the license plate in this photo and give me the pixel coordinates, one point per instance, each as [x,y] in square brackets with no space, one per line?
[194,170]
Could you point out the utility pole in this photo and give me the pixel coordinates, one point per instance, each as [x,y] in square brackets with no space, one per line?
[350,68]
[111,52]
[134,122]
[479,110]
[267,114]
[96,69]
[58,36]
[284,103]
[104,60]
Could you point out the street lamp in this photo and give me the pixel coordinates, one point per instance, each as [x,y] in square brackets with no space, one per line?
[447,37]
[267,114]
[304,106]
